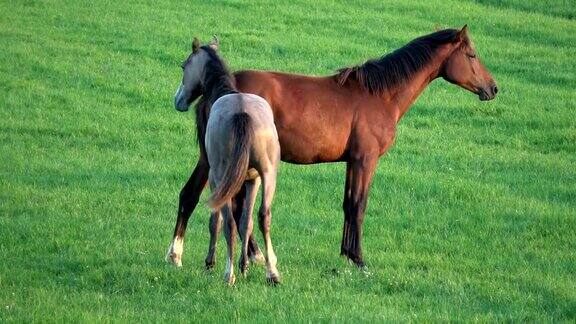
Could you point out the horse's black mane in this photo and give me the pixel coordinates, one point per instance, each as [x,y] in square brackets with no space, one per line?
[217,82]
[399,66]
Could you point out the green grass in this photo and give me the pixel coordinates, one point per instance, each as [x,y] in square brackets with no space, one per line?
[472,214]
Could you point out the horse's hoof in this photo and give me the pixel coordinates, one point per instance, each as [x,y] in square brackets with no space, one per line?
[173,258]
[356,261]
[273,279]
[365,271]
[209,266]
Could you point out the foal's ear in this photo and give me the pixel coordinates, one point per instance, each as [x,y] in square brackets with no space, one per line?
[215,43]
[195,45]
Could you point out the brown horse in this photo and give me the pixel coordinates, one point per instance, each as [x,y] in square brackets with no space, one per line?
[348,117]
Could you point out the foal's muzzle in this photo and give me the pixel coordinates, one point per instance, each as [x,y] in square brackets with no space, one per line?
[180,102]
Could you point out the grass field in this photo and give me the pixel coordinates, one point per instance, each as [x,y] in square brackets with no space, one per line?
[472,214]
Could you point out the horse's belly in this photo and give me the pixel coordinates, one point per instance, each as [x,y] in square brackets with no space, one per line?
[306,150]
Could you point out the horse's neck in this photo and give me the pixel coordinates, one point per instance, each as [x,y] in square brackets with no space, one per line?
[405,96]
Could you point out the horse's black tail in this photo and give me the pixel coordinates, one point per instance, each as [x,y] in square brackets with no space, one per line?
[235,172]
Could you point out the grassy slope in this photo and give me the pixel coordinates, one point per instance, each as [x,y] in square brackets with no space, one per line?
[471,216]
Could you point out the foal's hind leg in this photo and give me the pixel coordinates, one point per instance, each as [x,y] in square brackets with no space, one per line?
[245,225]
[215,226]
[264,220]
[230,234]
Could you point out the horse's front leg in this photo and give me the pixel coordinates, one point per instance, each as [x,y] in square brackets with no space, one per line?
[238,205]
[359,175]
[214,227]
[189,196]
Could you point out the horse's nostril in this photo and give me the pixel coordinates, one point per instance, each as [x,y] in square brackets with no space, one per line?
[495,90]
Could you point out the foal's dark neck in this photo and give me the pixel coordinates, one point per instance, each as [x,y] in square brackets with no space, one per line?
[217,80]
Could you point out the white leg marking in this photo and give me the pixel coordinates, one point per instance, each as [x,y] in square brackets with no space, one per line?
[229,276]
[271,264]
[175,250]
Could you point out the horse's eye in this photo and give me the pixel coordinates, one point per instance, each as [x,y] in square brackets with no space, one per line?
[471,56]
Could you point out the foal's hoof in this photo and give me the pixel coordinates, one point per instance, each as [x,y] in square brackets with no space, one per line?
[273,279]
[244,270]
[229,279]
[243,265]
[257,258]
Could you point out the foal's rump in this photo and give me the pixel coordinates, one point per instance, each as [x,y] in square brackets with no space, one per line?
[240,135]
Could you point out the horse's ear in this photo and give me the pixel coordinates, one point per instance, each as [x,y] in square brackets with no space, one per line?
[214,43]
[195,45]
[462,33]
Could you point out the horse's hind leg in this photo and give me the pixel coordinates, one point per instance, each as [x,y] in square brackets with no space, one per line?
[230,234]
[264,220]
[245,225]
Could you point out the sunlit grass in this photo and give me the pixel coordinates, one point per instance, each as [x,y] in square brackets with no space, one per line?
[471,214]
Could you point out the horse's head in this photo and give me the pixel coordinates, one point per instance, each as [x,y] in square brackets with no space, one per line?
[193,71]
[464,68]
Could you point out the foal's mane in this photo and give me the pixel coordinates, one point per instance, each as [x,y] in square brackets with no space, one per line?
[217,79]
[217,82]
[393,69]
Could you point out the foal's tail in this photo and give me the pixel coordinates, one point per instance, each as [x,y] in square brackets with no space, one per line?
[235,172]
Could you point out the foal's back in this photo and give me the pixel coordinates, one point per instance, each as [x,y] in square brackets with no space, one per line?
[265,144]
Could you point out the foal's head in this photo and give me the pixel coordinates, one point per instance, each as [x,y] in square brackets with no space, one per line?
[193,69]
[464,68]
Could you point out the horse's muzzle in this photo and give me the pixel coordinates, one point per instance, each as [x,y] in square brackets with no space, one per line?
[488,93]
